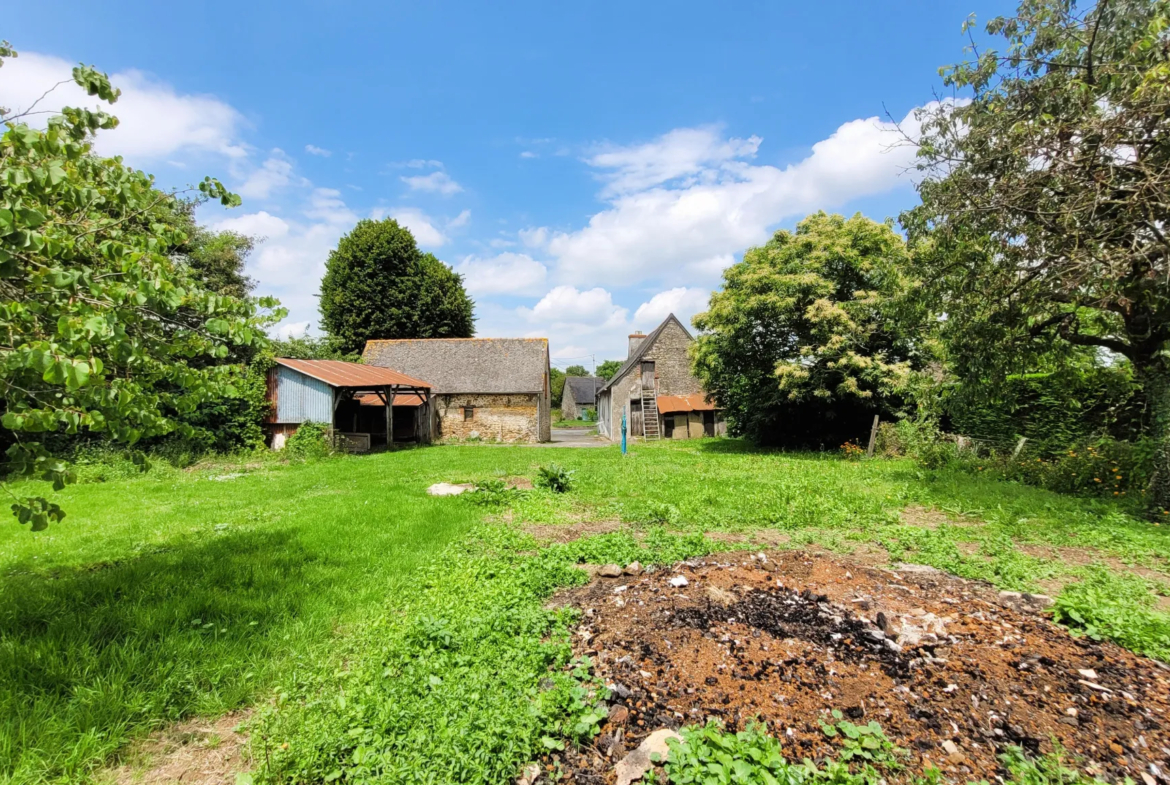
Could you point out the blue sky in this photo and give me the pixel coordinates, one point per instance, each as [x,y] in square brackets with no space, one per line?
[588,168]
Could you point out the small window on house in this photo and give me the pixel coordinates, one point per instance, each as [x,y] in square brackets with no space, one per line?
[468,413]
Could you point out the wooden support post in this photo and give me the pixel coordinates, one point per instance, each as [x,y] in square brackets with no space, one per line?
[872,437]
[389,398]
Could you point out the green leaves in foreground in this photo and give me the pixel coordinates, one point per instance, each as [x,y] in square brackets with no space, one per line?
[1117,607]
[466,679]
[104,331]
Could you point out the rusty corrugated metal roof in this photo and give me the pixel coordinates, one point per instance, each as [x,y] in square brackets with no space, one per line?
[369,399]
[696,402]
[338,373]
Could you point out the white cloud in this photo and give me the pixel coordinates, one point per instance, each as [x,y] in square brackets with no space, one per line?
[592,309]
[459,220]
[155,121]
[276,172]
[292,330]
[421,225]
[534,238]
[436,182]
[688,202]
[529,154]
[507,273]
[313,149]
[261,225]
[682,153]
[683,302]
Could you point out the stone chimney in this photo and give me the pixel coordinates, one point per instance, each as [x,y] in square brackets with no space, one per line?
[635,341]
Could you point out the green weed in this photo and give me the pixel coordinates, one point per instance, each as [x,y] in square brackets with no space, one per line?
[1108,606]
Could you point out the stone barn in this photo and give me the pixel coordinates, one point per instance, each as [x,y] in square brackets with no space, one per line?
[482,389]
[657,391]
[580,396]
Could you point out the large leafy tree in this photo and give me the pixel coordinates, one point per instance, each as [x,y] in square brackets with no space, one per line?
[800,345]
[1046,198]
[103,329]
[378,284]
[576,370]
[607,369]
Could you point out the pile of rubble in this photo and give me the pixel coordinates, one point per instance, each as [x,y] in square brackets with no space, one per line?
[954,671]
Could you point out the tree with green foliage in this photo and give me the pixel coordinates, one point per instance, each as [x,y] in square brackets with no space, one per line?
[607,369]
[105,331]
[217,259]
[576,370]
[801,345]
[378,285]
[1046,199]
[556,386]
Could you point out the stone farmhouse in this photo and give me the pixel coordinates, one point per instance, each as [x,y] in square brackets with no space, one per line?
[655,388]
[489,389]
[580,396]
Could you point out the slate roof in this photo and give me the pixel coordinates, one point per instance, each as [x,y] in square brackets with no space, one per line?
[467,365]
[584,389]
[646,343]
[337,373]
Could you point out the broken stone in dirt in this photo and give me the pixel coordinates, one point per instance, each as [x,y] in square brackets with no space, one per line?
[634,568]
[529,774]
[1024,602]
[653,749]
[793,645]
[610,571]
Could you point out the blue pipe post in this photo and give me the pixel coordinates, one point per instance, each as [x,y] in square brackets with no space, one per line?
[623,430]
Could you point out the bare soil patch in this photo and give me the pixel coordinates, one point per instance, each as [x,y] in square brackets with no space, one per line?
[194,752]
[568,532]
[929,656]
[931,518]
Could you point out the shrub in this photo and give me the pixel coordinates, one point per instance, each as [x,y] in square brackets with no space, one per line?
[555,478]
[311,440]
[1053,410]
[493,493]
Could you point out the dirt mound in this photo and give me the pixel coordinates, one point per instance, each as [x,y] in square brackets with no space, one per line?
[934,659]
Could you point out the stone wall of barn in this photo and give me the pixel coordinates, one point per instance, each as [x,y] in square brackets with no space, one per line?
[492,418]
[672,369]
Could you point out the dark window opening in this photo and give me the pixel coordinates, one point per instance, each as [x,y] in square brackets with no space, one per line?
[468,413]
[668,426]
[708,423]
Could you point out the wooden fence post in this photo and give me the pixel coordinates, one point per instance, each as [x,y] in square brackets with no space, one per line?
[872,437]
[1019,447]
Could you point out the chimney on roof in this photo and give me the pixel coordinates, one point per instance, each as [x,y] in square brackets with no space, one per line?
[635,341]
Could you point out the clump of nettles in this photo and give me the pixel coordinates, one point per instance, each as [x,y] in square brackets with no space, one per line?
[493,493]
[311,440]
[555,478]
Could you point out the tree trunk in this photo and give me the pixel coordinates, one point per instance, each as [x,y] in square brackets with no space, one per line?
[1156,381]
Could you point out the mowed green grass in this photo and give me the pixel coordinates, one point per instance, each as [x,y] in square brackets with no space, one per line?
[183,593]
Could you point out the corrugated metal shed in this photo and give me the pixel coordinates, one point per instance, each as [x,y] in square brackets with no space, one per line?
[300,398]
[342,374]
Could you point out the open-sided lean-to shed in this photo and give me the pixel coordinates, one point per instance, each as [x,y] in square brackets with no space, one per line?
[356,401]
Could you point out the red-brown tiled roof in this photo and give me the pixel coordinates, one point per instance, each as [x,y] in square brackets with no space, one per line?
[697,402]
[337,373]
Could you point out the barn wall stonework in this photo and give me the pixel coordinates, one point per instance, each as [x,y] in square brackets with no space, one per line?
[672,368]
[495,418]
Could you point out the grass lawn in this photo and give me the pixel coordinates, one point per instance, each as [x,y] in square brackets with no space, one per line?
[388,634]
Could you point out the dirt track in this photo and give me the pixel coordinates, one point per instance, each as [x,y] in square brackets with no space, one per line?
[790,637]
